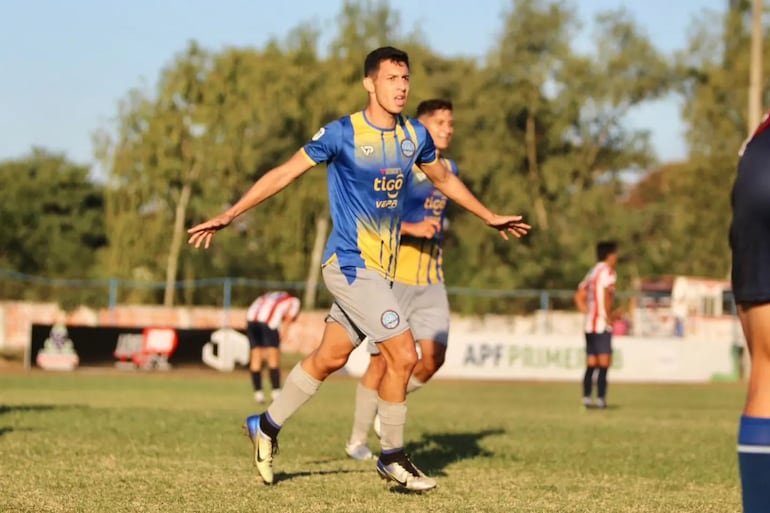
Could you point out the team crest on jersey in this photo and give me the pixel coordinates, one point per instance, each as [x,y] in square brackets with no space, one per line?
[319,134]
[367,150]
[390,319]
[407,148]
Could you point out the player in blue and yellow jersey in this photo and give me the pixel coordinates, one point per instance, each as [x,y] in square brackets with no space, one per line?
[370,157]
[419,284]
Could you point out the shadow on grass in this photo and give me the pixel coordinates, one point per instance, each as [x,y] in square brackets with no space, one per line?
[26,408]
[5,408]
[286,476]
[436,451]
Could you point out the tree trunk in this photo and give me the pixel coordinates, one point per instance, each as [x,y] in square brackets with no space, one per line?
[177,237]
[311,284]
[755,68]
[534,176]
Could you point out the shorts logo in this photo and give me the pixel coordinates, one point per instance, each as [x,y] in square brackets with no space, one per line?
[390,319]
[407,148]
[319,134]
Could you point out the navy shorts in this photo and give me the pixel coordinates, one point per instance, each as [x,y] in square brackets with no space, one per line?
[261,335]
[598,343]
[750,228]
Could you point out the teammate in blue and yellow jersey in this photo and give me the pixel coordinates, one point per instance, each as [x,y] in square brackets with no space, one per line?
[370,156]
[419,285]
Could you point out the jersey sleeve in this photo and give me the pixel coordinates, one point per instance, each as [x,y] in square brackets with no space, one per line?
[453,167]
[325,144]
[426,152]
[606,279]
[294,306]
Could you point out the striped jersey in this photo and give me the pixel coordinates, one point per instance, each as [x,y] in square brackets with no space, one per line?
[598,280]
[420,259]
[368,168]
[272,308]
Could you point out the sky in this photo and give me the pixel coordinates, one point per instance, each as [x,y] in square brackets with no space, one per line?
[64,66]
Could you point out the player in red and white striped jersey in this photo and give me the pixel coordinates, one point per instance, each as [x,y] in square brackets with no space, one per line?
[594,299]
[268,319]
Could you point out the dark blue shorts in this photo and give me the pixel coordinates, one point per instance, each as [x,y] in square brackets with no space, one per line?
[261,335]
[750,228]
[598,343]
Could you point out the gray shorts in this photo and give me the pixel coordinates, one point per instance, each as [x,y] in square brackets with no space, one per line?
[366,308]
[427,311]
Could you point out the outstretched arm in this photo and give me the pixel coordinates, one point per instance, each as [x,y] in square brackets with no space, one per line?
[268,185]
[454,189]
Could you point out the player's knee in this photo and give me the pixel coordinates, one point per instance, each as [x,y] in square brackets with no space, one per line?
[403,359]
[377,366]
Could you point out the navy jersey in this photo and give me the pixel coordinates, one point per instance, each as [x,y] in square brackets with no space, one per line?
[368,168]
[420,259]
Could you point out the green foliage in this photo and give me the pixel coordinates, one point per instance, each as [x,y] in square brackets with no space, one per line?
[52,222]
[541,129]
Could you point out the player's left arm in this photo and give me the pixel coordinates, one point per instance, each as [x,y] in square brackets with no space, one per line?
[454,189]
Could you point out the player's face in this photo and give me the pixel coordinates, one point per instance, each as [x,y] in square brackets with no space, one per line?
[612,259]
[391,86]
[440,125]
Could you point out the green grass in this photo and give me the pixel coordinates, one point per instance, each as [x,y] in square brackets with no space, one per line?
[125,442]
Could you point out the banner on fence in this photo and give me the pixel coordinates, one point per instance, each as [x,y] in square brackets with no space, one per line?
[501,356]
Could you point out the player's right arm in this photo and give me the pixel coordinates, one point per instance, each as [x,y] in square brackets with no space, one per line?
[269,184]
[324,145]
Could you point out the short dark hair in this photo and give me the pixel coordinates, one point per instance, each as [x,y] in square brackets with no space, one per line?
[605,248]
[428,107]
[385,53]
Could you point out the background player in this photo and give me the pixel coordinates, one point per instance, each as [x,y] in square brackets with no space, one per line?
[268,319]
[370,154]
[594,298]
[419,281]
[750,244]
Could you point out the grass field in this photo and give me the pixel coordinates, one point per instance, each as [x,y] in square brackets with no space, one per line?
[123,442]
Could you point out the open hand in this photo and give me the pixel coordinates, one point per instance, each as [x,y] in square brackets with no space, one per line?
[509,224]
[202,233]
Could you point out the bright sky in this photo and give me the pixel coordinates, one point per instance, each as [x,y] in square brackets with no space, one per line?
[65,64]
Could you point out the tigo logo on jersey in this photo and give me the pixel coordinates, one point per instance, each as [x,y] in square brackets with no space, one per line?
[390,319]
[390,186]
[435,204]
[407,148]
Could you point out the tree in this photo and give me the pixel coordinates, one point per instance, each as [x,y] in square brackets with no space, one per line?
[53,222]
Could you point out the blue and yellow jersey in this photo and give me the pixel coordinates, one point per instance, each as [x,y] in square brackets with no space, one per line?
[420,259]
[368,168]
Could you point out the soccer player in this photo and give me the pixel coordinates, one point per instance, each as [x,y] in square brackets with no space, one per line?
[594,299]
[370,155]
[419,281]
[267,323]
[750,244]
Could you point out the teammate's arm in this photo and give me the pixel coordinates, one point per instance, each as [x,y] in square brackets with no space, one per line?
[268,185]
[427,228]
[453,188]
